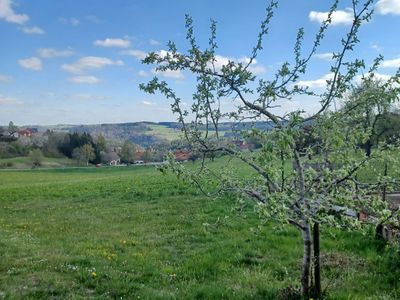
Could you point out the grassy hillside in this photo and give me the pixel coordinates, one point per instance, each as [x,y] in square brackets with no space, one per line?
[134,233]
[24,162]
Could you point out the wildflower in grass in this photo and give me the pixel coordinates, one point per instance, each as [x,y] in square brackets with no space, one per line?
[94,274]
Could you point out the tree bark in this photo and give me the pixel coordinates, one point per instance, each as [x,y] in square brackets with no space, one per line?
[305,276]
[317,265]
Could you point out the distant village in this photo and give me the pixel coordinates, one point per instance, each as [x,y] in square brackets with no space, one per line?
[95,149]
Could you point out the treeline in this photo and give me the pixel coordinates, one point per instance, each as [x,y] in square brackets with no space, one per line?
[80,146]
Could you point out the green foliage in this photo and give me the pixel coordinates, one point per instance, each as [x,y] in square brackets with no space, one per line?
[148,155]
[73,141]
[101,144]
[12,128]
[128,152]
[322,183]
[84,154]
[36,157]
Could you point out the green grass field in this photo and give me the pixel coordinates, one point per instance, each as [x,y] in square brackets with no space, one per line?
[24,162]
[164,132]
[133,233]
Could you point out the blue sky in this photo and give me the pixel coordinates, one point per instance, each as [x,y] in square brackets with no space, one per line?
[78,62]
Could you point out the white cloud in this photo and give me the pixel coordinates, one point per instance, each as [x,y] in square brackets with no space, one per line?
[376,47]
[317,83]
[143,73]
[377,76]
[93,19]
[89,63]
[5,78]
[85,79]
[386,7]
[32,30]
[32,63]
[4,100]
[254,67]
[174,74]
[257,69]
[70,21]
[339,17]
[89,97]
[154,42]
[324,56]
[8,14]
[391,63]
[138,54]
[120,43]
[148,103]
[382,77]
[50,53]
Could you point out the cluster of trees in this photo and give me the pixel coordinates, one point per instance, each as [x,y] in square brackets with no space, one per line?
[9,144]
[81,147]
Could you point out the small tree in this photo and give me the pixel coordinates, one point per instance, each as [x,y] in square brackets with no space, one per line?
[373,101]
[76,154]
[84,154]
[293,182]
[12,128]
[148,155]
[128,152]
[36,158]
[101,143]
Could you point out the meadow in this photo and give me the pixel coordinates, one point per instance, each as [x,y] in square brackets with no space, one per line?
[24,162]
[134,233]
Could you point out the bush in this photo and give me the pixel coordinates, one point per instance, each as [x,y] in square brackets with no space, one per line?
[7,164]
[36,157]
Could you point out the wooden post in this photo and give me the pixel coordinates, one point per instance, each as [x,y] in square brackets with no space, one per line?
[384,185]
[317,265]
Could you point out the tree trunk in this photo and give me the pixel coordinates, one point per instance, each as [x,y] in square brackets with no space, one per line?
[317,266]
[305,276]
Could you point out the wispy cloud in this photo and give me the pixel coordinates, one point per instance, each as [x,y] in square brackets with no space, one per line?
[70,21]
[148,103]
[93,19]
[324,56]
[109,42]
[339,17]
[89,97]
[154,42]
[4,100]
[386,7]
[90,63]
[32,63]
[254,67]
[32,30]
[174,74]
[51,52]
[376,47]
[8,14]
[85,79]
[5,78]
[138,54]
[376,76]
[143,73]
